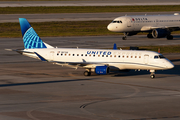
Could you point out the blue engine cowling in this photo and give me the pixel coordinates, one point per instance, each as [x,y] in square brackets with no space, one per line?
[102,70]
[159,33]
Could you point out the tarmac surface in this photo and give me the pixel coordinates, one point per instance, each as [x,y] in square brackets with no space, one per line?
[88,3]
[4,18]
[35,90]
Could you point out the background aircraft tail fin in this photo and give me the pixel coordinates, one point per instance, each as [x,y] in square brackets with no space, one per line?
[30,38]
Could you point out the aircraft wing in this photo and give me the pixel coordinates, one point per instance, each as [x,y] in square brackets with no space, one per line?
[79,64]
[82,64]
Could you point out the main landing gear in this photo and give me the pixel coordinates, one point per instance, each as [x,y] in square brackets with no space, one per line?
[87,72]
[152,75]
[169,37]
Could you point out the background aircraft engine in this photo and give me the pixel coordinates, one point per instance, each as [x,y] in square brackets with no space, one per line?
[102,70]
[159,33]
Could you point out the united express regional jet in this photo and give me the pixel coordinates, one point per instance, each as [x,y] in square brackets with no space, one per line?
[157,26]
[100,61]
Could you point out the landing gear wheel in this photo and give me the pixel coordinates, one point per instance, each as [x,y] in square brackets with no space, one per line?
[149,35]
[169,37]
[86,73]
[152,76]
[124,38]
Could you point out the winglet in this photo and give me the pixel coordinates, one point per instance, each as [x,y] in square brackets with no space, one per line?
[115,46]
[42,59]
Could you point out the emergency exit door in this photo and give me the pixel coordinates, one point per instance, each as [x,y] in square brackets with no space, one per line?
[146,59]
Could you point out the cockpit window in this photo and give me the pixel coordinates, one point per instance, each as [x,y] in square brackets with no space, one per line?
[158,56]
[161,56]
[116,21]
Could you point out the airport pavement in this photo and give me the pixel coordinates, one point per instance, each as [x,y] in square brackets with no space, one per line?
[4,18]
[95,41]
[35,90]
[88,3]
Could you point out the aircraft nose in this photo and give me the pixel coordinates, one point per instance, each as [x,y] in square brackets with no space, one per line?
[170,65]
[109,27]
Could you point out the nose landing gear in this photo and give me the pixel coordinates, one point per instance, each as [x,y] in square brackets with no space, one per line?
[124,38]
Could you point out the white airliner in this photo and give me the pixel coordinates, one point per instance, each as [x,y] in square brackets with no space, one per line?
[100,61]
[157,26]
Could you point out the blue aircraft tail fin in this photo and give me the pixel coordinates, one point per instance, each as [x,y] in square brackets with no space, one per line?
[30,38]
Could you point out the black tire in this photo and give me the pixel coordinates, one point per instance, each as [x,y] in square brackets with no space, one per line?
[149,35]
[124,38]
[86,73]
[169,37]
[152,76]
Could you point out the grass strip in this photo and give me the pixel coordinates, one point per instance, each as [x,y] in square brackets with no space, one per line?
[63,28]
[54,29]
[76,28]
[88,9]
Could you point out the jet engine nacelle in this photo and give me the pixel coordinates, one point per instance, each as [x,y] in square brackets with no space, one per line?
[130,33]
[102,70]
[159,33]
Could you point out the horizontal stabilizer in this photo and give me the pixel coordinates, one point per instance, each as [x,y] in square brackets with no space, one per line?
[9,49]
[19,51]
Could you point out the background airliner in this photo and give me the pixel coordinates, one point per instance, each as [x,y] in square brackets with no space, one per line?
[157,26]
[100,61]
